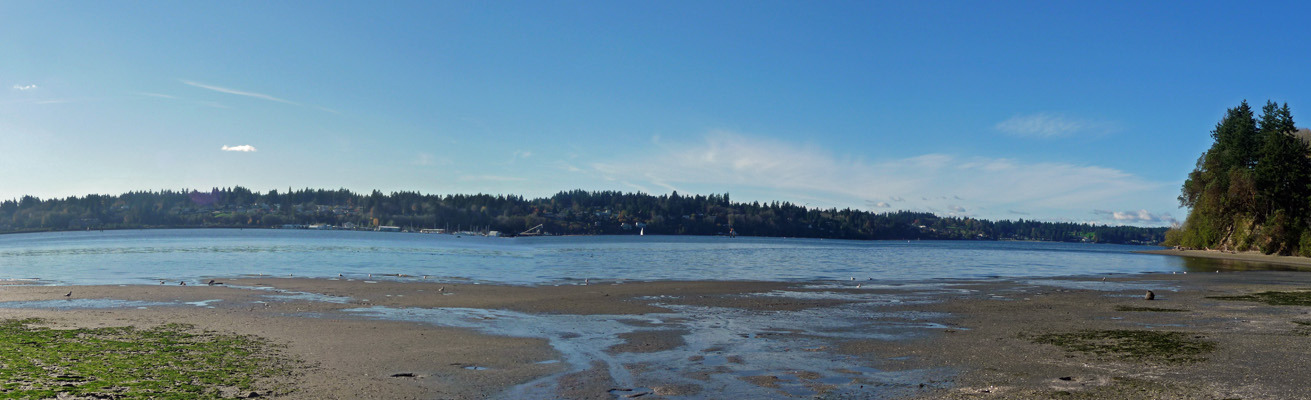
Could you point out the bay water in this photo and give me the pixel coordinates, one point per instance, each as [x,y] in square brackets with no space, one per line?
[148,256]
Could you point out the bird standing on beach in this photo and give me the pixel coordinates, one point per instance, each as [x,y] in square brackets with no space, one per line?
[69,294]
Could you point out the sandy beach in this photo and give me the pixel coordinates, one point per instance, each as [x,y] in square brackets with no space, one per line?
[1246,256]
[411,338]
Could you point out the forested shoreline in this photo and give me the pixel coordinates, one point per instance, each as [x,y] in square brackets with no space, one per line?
[572,212]
[1251,190]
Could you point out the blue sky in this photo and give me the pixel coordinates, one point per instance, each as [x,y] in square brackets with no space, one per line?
[1061,111]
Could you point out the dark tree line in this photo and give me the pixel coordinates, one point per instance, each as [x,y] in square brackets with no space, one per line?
[570,212]
[1251,189]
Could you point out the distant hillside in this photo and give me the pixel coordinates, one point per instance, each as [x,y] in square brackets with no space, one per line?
[572,212]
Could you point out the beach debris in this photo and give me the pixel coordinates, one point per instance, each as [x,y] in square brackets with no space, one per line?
[404,375]
[1066,378]
[182,283]
[1149,296]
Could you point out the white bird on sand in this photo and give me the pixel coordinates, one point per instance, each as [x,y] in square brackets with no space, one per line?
[441,289]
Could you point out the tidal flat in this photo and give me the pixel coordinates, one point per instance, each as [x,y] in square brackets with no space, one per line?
[1074,337]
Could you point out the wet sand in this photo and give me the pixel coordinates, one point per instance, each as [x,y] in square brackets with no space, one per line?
[606,340]
[1246,256]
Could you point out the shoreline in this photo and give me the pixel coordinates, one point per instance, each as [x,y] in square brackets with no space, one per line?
[703,339]
[1247,256]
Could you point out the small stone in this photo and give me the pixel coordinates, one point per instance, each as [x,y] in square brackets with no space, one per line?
[1067,378]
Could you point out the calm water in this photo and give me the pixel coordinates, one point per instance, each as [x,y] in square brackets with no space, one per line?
[145,256]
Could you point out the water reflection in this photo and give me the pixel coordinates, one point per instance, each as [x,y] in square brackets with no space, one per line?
[1199,264]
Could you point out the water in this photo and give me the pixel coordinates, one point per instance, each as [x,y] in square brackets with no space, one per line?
[147,256]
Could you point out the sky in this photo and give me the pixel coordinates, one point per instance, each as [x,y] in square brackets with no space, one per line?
[1056,111]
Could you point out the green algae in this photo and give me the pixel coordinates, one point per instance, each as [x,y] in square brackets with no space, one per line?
[1142,345]
[1274,298]
[167,362]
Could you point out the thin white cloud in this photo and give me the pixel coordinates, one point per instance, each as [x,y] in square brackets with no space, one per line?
[162,96]
[492,178]
[881,204]
[738,163]
[238,92]
[245,148]
[1137,217]
[1049,125]
[25,87]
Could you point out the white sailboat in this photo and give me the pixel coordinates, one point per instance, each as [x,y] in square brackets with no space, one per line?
[641,232]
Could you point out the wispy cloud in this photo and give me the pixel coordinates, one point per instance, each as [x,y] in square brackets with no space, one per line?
[1137,217]
[238,92]
[162,96]
[752,164]
[1049,125]
[880,204]
[492,178]
[25,87]
[245,148]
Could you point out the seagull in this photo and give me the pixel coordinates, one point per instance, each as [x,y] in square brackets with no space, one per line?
[161,282]
[182,283]
[441,289]
[69,294]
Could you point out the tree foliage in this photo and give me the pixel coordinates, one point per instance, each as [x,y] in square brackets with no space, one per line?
[1251,189]
[569,212]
